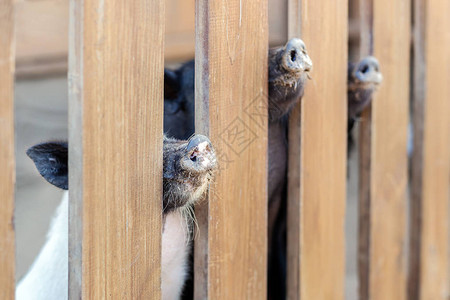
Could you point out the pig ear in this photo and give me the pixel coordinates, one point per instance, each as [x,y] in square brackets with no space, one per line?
[171,84]
[51,161]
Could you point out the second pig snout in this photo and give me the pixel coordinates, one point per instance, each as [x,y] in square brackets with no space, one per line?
[368,71]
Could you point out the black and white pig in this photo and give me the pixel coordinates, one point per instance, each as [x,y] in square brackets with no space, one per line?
[189,167]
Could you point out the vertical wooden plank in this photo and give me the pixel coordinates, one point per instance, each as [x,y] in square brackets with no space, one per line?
[116,109]
[418,101]
[294,170]
[324,26]
[231,81]
[366,27]
[364,158]
[388,177]
[7,160]
[202,126]
[364,207]
[382,159]
[354,18]
[434,231]
[75,126]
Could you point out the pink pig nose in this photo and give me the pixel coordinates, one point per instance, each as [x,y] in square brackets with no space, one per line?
[296,58]
[201,153]
[368,70]
[197,140]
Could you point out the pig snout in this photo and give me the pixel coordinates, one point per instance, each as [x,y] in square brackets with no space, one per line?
[200,155]
[363,79]
[368,71]
[295,57]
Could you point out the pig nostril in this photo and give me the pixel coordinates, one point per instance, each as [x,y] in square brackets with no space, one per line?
[365,69]
[293,55]
[193,156]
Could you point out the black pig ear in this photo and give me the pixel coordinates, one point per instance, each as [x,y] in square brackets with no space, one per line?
[52,163]
[171,84]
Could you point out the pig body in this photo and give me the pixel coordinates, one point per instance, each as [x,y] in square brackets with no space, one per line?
[179,101]
[185,181]
[48,276]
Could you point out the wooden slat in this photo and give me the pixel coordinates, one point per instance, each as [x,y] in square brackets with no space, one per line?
[231,80]
[388,174]
[322,181]
[418,96]
[7,162]
[75,120]
[364,158]
[364,208]
[354,15]
[202,125]
[431,159]
[293,203]
[116,109]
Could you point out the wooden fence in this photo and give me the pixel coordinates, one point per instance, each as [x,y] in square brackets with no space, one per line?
[7,162]
[116,59]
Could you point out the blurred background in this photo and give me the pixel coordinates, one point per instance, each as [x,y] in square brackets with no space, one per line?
[41,97]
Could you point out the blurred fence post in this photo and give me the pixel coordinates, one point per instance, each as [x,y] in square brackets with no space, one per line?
[294,170]
[430,163]
[364,159]
[385,33]
[7,159]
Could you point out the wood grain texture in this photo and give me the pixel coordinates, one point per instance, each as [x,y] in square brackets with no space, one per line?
[75,127]
[202,126]
[293,206]
[364,158]
[7,159]
[364,203]
[354,29]
[294,170]
[231,89]
[416,161]
[388,178]
[116,86]
[434,273]
[323,151]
